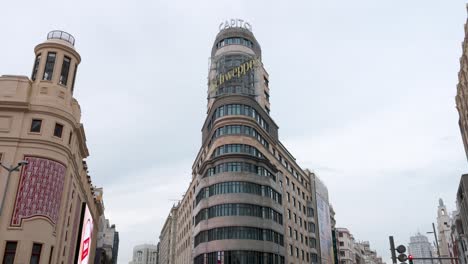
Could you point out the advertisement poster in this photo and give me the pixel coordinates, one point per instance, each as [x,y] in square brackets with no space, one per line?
[86,235]
[324,222]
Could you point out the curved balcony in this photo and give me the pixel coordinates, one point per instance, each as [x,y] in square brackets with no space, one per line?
[62,35]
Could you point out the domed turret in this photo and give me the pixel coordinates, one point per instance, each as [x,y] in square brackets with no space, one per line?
[56,63]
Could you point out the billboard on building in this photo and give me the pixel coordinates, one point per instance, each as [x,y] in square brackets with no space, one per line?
[86,233]
[324,224]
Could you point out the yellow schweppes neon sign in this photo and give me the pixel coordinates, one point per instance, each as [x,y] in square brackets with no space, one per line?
[236,72]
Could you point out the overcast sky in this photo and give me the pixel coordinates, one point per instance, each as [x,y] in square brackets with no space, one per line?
[363,92]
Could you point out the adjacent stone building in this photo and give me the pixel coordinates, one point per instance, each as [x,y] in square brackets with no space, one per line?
[168,240]
[346,246]
[48,208]
[107,242]
[354,252]
[420,247]
[248,201]
[145,254]
[444,223]
[460,226]
[461,98]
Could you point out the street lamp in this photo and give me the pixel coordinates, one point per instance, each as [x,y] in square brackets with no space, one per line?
[436,241]
[10,170]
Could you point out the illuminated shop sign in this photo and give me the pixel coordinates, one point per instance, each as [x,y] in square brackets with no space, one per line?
[235,22]
[85,238]
[236,72]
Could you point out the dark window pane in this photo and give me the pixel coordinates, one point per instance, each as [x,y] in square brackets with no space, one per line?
[74,77]
[36,67]
[49,67]
[36,125]
[10,252]
[35,254]
[51,253]
[58,130]
[65,69]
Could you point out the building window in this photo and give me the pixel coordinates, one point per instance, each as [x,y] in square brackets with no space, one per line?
[10,252]
[238,187]
[70,138]
[239,232]
[65,70]
[237,148]
[341,244]
[58,130]
[314,257]
[49,67]
[36,67]
[234,41]
[36,125]
[239,109]
[239,167]
[312,242]
[36,253]
[51,253]
[311,227]
[74,77]
[239,210]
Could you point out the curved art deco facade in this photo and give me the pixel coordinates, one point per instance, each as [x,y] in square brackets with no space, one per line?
[238,208]
[40,221]
[248,202]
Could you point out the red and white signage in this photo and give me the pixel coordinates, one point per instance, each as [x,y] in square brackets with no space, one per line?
[86,236]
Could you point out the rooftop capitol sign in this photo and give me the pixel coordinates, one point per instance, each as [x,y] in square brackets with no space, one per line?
[235,22]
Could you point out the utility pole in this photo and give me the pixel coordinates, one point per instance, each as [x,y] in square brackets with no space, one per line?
[10,170]
[436,241]
[392,249]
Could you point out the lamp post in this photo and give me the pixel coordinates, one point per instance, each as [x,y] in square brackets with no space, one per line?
[436,241]
[10,170]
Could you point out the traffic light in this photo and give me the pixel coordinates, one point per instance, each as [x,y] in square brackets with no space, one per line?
[401,250]
[410,259]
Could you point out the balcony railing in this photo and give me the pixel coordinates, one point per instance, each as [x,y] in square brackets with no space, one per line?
[58,34]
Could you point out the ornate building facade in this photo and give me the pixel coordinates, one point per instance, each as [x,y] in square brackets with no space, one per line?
[48,205]
[248,201]
[462,92]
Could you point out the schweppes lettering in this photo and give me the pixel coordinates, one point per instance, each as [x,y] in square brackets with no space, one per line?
[236,72]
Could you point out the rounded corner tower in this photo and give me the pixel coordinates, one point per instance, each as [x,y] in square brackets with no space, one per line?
[57,69]
[236,66]
[238,212]
[249,202]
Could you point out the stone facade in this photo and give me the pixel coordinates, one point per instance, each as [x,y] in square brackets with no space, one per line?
[354,252]
[444,223]
[461,98]
[168,239]
[460,226]
[107,242]
[145,254]
[420,247]
[40,215]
